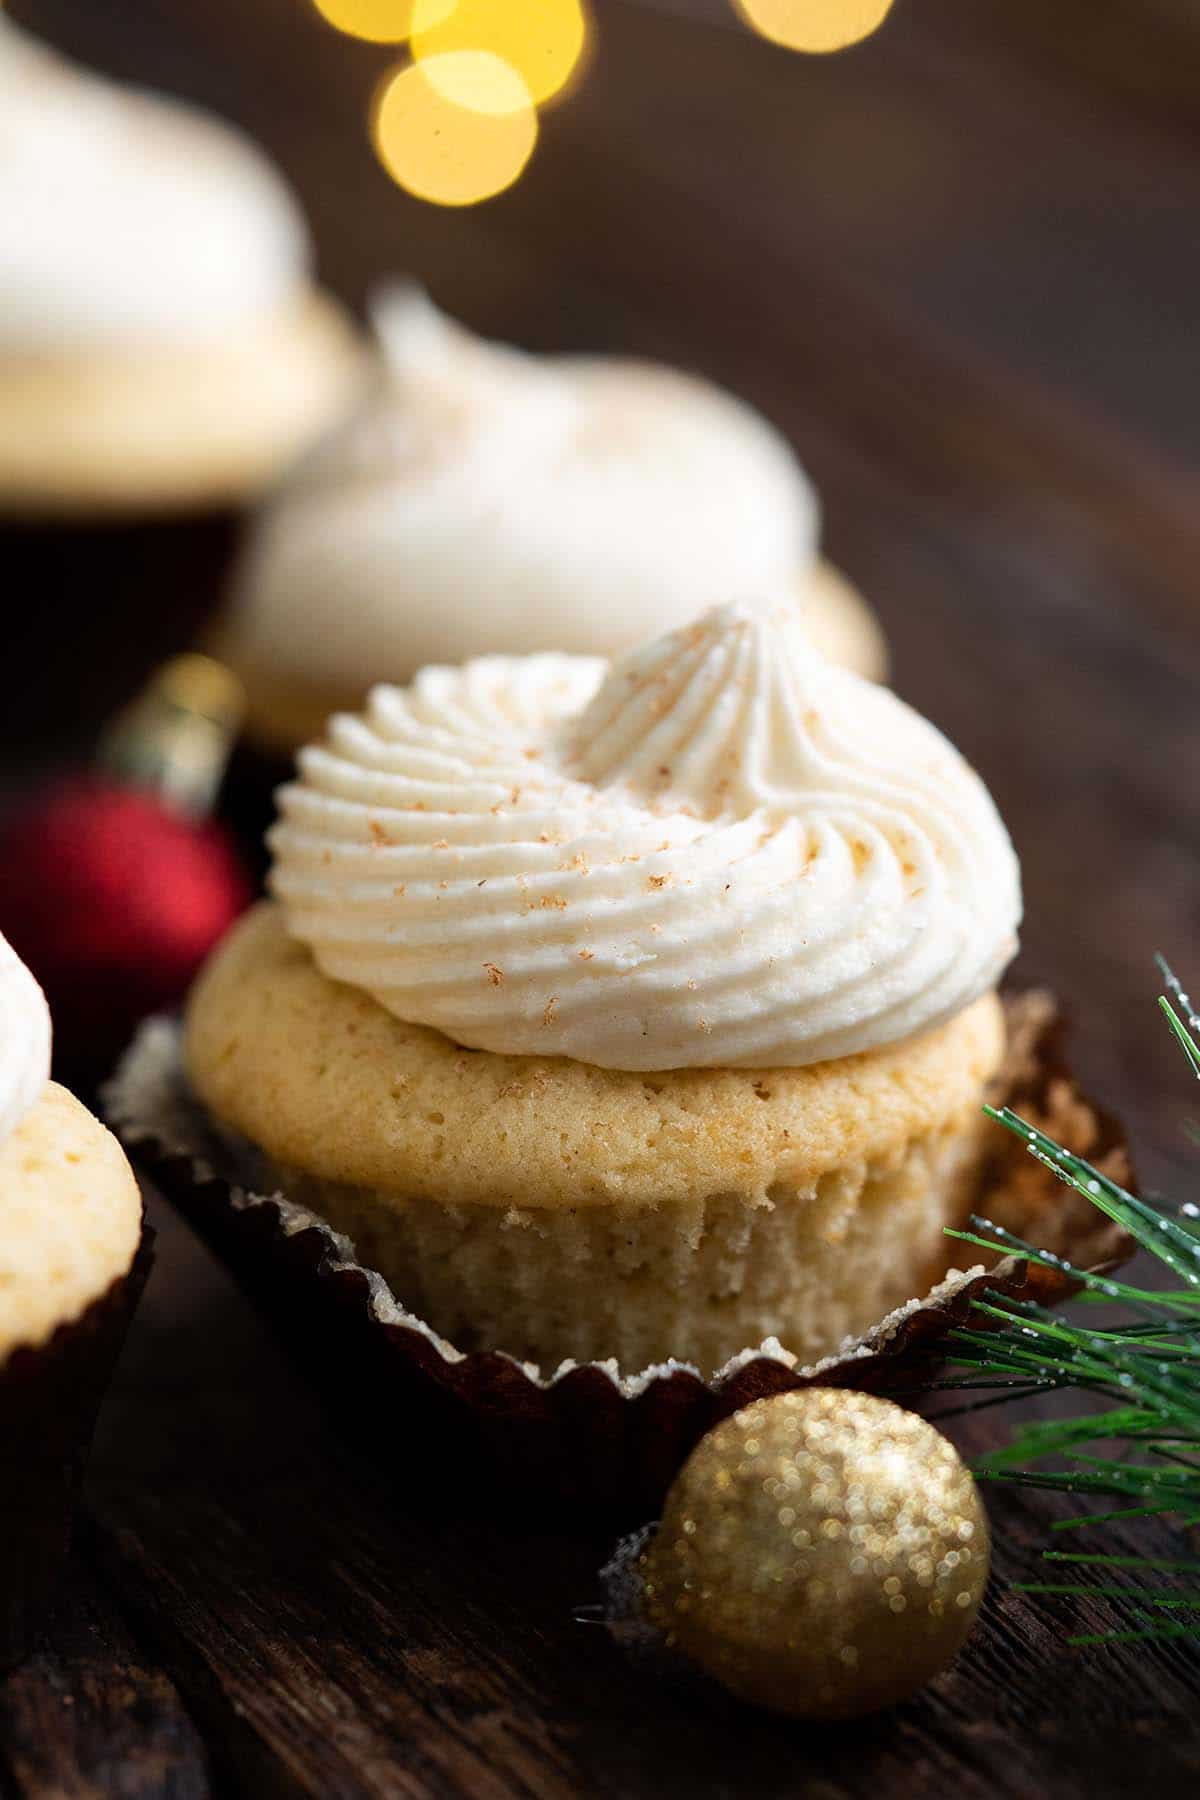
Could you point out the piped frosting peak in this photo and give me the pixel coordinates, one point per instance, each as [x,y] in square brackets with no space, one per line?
[24,1040]
[721,851]
[483,496]
[130,217]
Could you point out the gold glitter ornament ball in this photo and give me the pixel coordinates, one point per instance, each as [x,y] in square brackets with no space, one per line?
[821,1553]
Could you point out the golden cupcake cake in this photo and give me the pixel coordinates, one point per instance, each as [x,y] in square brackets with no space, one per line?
[638,1011]
[162,343]
[481,499]
[70,1231]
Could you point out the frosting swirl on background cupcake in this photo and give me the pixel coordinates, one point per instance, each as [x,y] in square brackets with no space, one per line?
[721,852]
[591,497]
[128,217]
[24,1040]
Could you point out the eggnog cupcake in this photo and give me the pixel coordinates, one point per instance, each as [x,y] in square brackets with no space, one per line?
[633,1012]
[70,1229]
[482,499]
[162,345]
[163,351]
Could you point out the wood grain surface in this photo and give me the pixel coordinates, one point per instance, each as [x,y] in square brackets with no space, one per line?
[959,267]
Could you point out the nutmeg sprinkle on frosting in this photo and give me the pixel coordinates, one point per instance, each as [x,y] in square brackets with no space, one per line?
[817,872]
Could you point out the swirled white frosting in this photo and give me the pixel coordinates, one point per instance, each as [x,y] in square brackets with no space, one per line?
[725,851]
[24,1040]
[587,499]
[127,216]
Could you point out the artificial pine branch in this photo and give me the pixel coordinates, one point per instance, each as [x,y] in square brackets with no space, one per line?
[1140,1357]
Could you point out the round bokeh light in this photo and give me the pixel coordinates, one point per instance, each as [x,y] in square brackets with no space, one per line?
[379,21]
[543,40]
[455,129]
[817,26]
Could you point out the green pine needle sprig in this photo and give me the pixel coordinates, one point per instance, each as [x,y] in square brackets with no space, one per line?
[1135,1351]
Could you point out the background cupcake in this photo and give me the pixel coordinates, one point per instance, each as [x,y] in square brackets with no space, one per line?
[162,351]
[482,499]
[640,1013]
[70,1271]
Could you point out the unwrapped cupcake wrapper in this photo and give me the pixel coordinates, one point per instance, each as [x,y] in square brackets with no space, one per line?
[590,1435]
[50,1397]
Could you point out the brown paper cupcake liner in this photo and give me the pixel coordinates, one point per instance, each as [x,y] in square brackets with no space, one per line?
[50,1397]
[589,1435]
[147,583]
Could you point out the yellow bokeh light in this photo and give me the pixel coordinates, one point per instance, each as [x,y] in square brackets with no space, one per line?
[814,25]
[542,39]
[457,132]
[379,21]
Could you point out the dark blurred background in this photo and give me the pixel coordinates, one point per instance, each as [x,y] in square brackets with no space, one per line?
[959,265]
[1024,175]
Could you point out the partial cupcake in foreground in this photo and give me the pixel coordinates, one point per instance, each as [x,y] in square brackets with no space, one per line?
[633,1013]
[70,1273]
[485,500]
[163,348]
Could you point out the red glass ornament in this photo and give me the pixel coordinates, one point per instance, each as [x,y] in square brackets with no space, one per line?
[114,900]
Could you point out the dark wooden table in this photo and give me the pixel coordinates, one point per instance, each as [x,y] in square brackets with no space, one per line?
[960,267]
